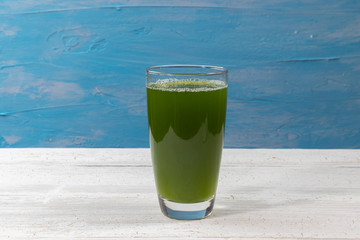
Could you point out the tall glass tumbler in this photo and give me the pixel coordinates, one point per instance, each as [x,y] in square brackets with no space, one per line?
[186,114]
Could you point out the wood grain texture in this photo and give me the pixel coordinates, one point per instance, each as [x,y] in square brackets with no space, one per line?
[72,73]
[110,194]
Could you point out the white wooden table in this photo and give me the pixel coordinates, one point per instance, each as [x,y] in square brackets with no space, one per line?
[110,194]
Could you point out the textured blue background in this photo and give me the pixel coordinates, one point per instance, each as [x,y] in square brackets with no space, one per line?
[72,73]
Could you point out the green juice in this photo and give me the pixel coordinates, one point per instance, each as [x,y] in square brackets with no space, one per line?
[186,125]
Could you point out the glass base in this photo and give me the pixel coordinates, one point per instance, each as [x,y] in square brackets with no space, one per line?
[186,211]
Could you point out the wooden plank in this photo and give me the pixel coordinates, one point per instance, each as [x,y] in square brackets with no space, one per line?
[72,73]
[110,194]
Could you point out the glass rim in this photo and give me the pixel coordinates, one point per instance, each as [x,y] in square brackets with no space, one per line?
[216,70]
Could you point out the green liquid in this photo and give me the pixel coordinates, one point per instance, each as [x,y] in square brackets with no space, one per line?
[186,125]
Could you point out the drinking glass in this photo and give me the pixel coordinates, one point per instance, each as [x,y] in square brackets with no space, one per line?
[186,115]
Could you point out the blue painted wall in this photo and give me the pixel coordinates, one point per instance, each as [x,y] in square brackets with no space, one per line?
[72,73]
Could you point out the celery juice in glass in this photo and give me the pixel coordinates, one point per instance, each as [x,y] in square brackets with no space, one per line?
[186,115]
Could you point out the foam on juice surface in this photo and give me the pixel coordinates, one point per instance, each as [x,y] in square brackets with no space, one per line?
[187,85]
